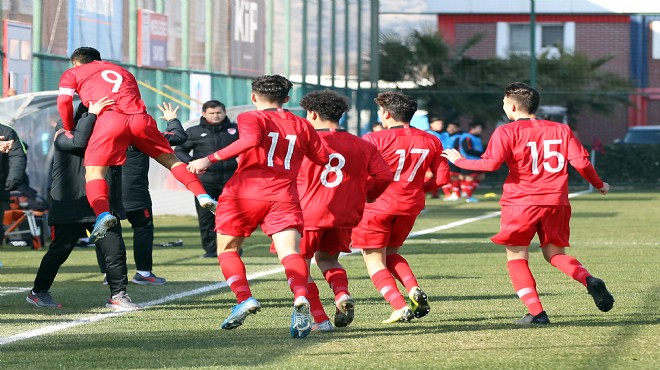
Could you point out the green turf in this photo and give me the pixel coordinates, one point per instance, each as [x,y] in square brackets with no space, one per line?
[470,324]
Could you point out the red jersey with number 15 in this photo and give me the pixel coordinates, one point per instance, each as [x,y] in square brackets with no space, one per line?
[537,153]
[333,195]
[95,80]
[270,150]
[409,152]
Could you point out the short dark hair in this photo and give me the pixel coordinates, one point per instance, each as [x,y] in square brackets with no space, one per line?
[453,123]
[85,54]
[274,88]
[527,97]
[402,107]
[474,124]
[213,104]
[328,104]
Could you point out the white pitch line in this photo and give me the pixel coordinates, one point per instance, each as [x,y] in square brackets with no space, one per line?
[212,287]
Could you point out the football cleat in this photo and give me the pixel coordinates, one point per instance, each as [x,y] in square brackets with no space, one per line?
[451,198]
[598,291]
[104,221]
[207,202]
[42,299]
[529,319]
[345,311]
[419,302]
[301,323]
[324,326]
[403,315]
[472,200]
[238,314]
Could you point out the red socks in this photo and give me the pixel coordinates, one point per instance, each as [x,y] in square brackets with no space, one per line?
[525,285]
[571,267]
[400,269]
[384,282]
[297,273]
[189,180]
[97,195]
[233,270]
[338,281]
[315,305]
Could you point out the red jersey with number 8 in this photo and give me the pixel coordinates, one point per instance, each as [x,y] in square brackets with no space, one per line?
[95,80]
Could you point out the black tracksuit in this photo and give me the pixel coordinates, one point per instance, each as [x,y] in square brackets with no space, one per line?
[70,214]
[137,200]
[203,140]
[12,168]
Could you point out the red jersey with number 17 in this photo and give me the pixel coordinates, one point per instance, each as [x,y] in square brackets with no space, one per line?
[270,150]
[537,153]
[333,195]
[409,152]
[95,80]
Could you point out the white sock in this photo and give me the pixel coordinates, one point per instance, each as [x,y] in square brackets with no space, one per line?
[144,273]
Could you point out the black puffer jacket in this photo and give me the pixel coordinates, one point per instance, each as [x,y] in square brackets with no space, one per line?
[135,182]
[69,203]
[12,164]
[204,140]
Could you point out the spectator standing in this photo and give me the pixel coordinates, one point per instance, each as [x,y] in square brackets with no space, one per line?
[436,125]
[449,139]
[471,147]
[13,161]
[386,223]
[215,131]
[70,215]
[535,195]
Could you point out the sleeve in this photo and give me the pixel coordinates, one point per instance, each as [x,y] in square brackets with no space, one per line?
[182,151]
[587,170]
[250,137]
[379,172]
[76,141]
[67,88]
[316,152]
[17,157]
[440,170]
[174,133]
[494,156]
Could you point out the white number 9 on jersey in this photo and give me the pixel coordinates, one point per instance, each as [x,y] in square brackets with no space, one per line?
[112,77]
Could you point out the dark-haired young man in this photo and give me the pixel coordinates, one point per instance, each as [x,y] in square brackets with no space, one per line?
[535,195]
[471,147]
[386,223]
[215,131]
[124,123]
[449,139]
[271,149]
[332,198]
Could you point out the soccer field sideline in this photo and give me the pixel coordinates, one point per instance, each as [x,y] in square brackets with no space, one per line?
[212,287]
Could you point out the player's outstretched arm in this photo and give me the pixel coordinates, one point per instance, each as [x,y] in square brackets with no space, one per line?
[605,189]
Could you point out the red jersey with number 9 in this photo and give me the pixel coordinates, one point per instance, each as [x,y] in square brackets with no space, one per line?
[95,80]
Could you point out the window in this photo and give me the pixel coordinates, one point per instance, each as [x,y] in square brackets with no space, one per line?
[515,38]
[655,39]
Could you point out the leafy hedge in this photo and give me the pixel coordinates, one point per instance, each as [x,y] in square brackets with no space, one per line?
[617,164]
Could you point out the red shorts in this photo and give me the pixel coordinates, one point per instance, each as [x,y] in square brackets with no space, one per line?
[377,230]
[519,224]
[115,131]
[240,217]
[331,241]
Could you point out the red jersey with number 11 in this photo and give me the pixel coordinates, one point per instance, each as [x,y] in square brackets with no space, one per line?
[95,80]
[270,150]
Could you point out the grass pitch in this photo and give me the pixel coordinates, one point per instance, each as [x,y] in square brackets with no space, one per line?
[470,324]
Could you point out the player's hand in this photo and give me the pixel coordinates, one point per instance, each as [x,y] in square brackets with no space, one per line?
[96,108]
[452,155]
[199,166]
[5,146]
[168,113]
[605,189]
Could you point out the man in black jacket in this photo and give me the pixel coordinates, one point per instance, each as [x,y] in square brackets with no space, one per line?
[70,215]
[12,168]
[214,132]
[137,200]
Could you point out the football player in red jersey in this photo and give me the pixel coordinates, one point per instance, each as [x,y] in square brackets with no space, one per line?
[332,198]
[262,191]
[386,223]
[535,195]
[124,123]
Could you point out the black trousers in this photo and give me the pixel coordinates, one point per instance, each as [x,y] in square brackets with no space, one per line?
[206,218]
[65,237]
[142,223]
